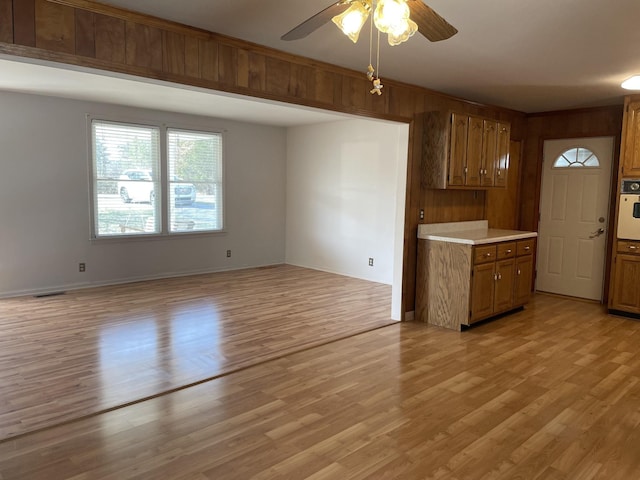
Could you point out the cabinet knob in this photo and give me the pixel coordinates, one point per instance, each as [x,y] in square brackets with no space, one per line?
[518,271]
[498,173]
[487,255]
[527,248]
[632,247]
[509,250]
[499,276]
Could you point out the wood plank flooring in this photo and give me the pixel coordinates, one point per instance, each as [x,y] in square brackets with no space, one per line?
[552,392]
[88,351]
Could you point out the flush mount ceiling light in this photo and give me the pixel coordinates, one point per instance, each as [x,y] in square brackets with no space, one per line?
[632,83]
[399,19]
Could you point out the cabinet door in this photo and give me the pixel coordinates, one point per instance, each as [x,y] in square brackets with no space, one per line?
[489,152]
[502,155]
[458,149]
[503,295]
[631,160]
[474,151]
[523,278]
[482,290]
[626,293]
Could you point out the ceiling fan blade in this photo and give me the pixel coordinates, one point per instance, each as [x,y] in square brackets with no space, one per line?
[315,22]
[430,24]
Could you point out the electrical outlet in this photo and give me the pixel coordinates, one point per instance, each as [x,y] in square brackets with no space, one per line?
[82,267]
[422,214]
[228,253]
[370,261]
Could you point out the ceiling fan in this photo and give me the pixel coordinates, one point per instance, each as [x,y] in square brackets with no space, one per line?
[428,22]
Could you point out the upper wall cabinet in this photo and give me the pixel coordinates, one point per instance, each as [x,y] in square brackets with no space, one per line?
[464,151]
[631,139]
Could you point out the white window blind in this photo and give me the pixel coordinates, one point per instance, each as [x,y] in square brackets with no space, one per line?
[195,180]
[126,179]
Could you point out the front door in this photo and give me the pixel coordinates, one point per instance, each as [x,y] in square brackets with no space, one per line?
[574,206]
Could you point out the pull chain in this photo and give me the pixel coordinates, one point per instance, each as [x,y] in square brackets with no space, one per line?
[377,85]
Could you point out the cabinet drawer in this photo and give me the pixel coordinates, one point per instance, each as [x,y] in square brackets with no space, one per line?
[484,254]
[525,247]
[628,246]
[506,250]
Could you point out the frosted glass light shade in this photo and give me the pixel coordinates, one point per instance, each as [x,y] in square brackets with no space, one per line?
[391,15]
[352,19]
[407,30]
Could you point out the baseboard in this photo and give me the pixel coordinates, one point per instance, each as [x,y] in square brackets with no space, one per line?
[121,281]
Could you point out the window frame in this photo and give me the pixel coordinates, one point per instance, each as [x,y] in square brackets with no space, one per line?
[575,165]
[163,166]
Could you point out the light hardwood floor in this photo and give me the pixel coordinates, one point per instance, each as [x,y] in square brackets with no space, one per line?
[88,351]
[552,392]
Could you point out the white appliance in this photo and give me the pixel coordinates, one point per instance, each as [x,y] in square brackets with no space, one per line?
[629,210]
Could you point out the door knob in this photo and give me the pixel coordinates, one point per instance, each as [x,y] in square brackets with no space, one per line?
[597,233]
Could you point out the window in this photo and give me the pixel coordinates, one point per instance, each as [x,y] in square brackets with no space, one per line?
[577,157]
[195,165]
[149,180]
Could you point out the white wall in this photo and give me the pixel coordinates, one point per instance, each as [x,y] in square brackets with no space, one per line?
[345,198]
[44,207]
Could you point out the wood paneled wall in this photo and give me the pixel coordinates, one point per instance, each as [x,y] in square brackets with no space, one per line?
[85,33]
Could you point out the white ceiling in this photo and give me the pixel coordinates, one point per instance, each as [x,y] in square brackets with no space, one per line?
[527,55]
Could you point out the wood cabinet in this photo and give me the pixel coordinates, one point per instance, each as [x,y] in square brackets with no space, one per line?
[464,151]
[522,283]
[626,283]
[631,139]
[502,154]
[501,278]
[460,284]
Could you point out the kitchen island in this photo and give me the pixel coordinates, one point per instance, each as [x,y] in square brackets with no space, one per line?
[468,272]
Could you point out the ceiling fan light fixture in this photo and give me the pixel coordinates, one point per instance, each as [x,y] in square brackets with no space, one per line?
[391,16]
[631,83]
[408,29]
[352,19]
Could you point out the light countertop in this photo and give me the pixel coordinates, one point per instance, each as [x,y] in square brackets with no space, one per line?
[471,233]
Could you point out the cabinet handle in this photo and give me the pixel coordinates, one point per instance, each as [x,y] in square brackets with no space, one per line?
[527,248]
[518,271]
[499,276]
[509,250]
[498,173]
[485,171]
[487,255]
[495,277]
[632,247]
